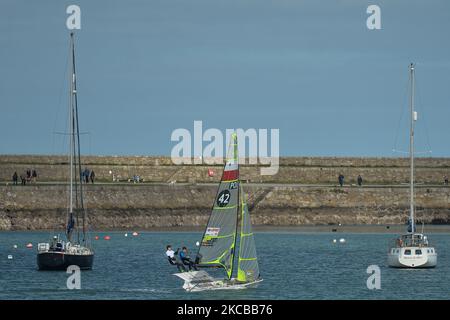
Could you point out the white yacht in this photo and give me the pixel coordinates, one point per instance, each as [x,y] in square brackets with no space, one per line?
[412,250]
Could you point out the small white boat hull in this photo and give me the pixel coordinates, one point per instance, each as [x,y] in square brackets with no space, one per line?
[406,257]
[195,281]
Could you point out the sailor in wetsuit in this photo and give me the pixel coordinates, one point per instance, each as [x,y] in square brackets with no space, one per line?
[184,255]
[171,256]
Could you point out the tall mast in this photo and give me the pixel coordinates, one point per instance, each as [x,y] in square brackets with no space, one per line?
[72,129]
[411,149]
[76,138]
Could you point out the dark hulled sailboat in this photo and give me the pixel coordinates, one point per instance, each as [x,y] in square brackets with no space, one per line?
[58,254]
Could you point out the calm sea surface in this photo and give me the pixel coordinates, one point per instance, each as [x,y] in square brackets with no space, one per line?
[293,266]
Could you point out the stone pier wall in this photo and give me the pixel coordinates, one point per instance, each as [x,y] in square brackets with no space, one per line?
[146,206]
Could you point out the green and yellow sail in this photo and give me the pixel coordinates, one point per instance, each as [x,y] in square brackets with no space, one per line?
[248,269]
[218,245]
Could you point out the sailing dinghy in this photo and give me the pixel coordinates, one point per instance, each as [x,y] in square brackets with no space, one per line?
[218,245]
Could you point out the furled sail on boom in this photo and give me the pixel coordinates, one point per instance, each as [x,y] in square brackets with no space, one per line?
[217,248]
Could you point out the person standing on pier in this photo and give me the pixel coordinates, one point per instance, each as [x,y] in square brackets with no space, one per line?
[23,178]
[34,176]
[92,176]
[360,180]
[341,179]
[15,177]
[86,174]
[446,180]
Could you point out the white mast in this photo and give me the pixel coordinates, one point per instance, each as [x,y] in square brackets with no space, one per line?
[411,149]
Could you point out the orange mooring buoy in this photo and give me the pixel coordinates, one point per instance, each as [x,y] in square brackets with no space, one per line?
[29,245]
[107,237]
[96,237]
[135,233]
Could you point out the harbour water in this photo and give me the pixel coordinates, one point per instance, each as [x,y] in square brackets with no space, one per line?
[293,265]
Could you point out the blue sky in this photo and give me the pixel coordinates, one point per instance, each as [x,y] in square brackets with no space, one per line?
[309,68]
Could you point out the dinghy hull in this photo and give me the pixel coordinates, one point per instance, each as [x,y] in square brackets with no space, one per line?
[195,281]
